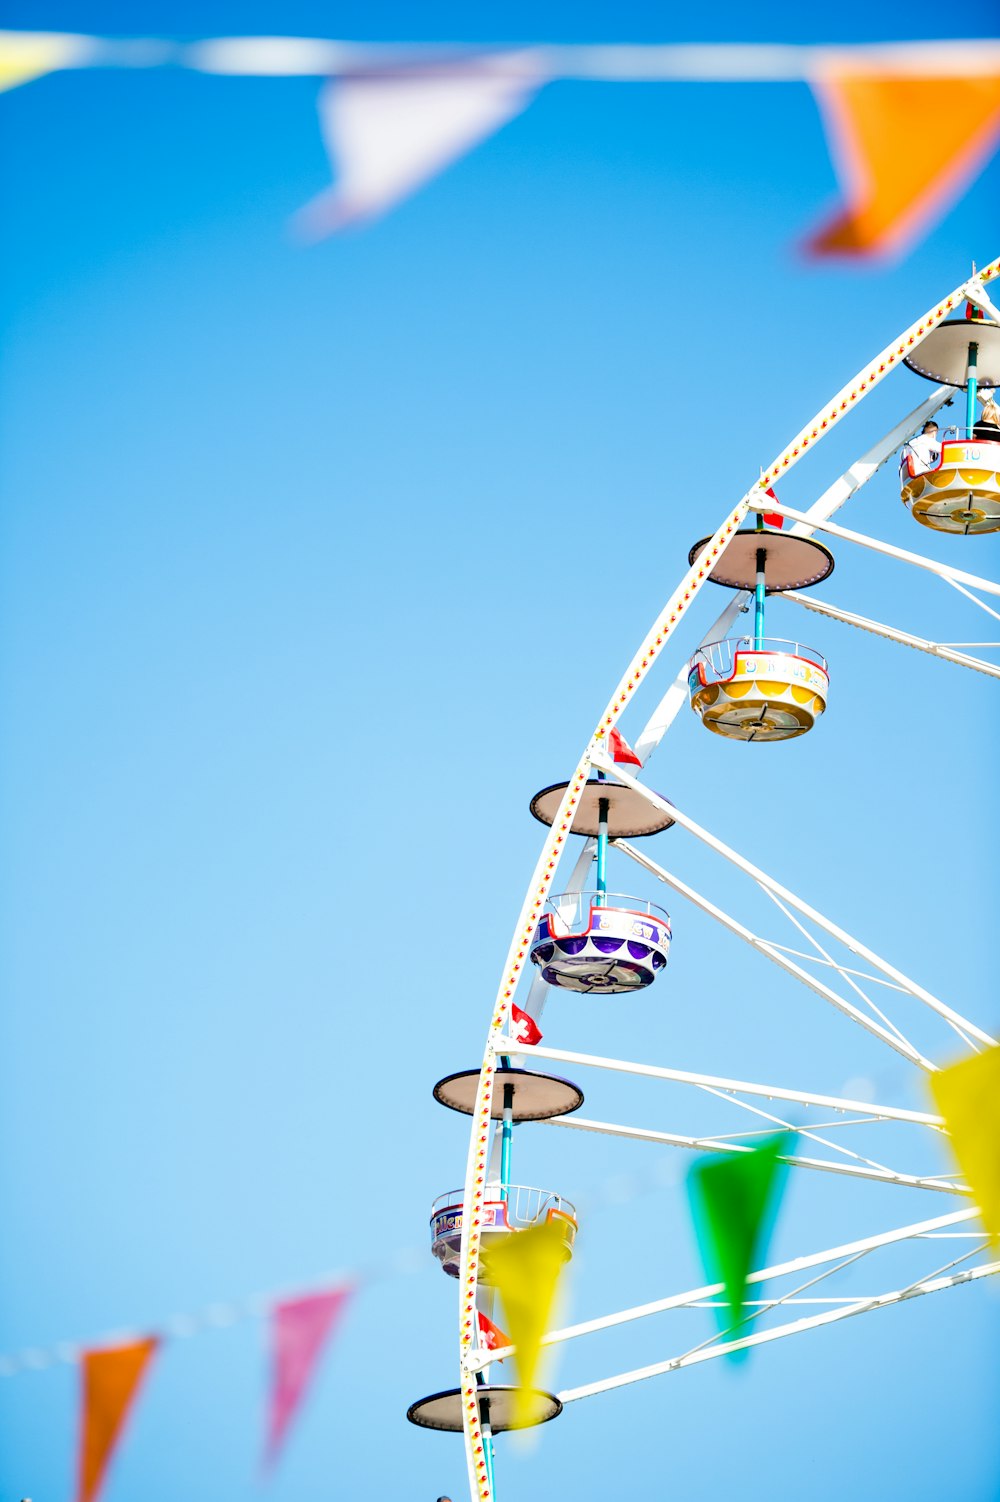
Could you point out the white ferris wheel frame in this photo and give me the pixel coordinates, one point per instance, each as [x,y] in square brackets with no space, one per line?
[863,1010]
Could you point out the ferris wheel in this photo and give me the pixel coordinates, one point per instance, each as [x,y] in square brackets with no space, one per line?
[585,933]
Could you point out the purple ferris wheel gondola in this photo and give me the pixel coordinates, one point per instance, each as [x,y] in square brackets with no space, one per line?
[592,942]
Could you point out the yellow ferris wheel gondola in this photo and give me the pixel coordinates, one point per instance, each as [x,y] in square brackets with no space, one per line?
[954,485]
[759,687]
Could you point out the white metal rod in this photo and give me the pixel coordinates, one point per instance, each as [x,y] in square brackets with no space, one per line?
[713,1145]
[712,1290]
[854,945]
[795,1327]
[858,991]
[774,954]
[741,1087]
[903,555]
[814,959]
[944,650]
[974,598]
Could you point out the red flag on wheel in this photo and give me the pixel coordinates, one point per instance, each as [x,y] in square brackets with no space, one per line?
[524,1028]
[621,750]
[773,518]
[491,1337]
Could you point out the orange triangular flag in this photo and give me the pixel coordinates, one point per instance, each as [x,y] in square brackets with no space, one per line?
[904,146]
[111,1378]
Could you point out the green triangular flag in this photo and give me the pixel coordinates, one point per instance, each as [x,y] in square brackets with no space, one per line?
[734,1200]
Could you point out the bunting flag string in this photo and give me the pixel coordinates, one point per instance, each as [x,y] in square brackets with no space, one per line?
[908,124]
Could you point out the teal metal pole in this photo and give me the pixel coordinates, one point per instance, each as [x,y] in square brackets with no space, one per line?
[506,1139]
[970,388]
[758,600]
[603,808]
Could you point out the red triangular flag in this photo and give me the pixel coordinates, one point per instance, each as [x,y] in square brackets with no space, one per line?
[491,1337]
[299,1330]
[773,518]
[111,1378]
[899,157]
[524,1028]
[621,750]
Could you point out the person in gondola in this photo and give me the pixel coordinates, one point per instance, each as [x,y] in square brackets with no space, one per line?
[988,426]
[924,449]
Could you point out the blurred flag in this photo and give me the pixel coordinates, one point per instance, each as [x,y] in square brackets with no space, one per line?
[491,1337]
[968,1097]
[387,132]
[734,1200]
[111,1378]
[299,1330]
[524,1269]
[524,1028]
[621,750]
[25,55]
[904,146]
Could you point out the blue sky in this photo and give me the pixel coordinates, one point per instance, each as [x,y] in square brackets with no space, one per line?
[316,564]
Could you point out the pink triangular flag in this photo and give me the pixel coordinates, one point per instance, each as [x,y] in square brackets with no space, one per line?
[299,1330]
[387,132]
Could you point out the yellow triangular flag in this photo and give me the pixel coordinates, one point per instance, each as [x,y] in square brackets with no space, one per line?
[524,1268]
[25,55]
[968,1097]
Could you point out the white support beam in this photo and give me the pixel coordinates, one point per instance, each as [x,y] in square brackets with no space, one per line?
[902,555]
[795,1327]
[769,884]
[730,1086]
[916,1231]
[945,651]
[794,1160]
[862,470]
[779,956]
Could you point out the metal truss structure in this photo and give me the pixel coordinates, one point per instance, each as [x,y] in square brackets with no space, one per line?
[831,963]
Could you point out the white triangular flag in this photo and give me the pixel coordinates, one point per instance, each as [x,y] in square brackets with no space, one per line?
[387,132]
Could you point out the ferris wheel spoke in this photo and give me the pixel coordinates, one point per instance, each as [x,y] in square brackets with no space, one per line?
[917,1231]
[844,974]
[775,953]
[796,1327]
[731,1086]
[762,879]
[974,598]
[794,1160]
[946,651]
[945,571]
[808,1132]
